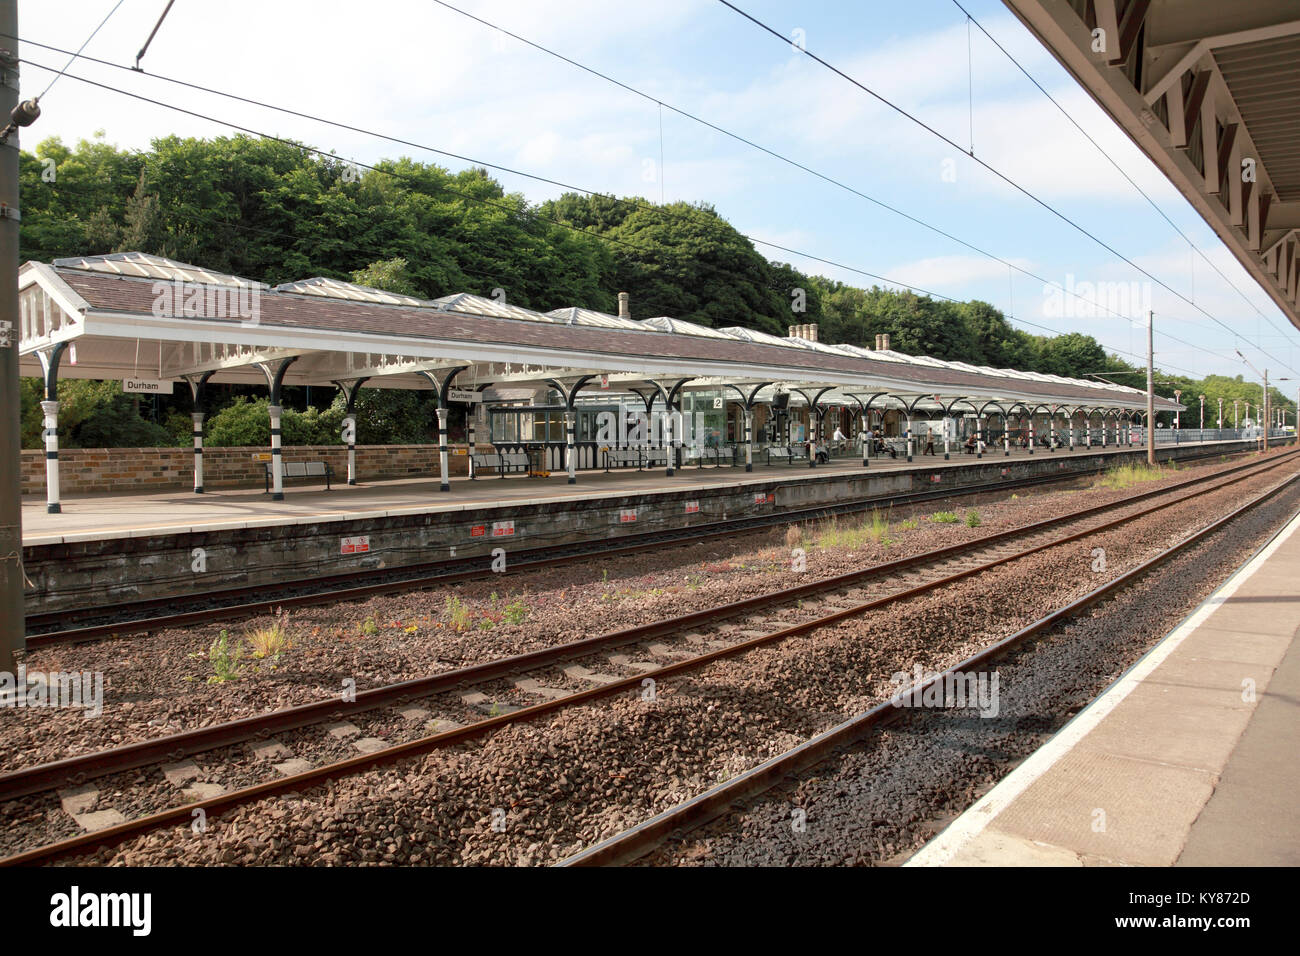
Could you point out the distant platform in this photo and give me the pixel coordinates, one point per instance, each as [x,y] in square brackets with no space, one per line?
[1188,771]
[148,514]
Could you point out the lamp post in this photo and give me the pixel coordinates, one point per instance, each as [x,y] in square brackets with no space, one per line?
[1178,415]
[1234,413]
[1202,415]
[1220,422]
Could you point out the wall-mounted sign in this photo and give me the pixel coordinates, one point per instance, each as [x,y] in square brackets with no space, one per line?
[358,545]
[146,386]
[464,395]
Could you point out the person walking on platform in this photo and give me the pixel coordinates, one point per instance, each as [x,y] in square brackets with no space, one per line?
[929,443]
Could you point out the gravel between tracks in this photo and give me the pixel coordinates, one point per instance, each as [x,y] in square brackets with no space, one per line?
[553,785]
[884,798]
[157,685]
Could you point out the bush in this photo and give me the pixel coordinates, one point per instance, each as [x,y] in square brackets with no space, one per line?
[91,415]
[248,422]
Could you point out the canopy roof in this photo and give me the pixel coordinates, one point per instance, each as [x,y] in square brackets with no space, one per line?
[134,315]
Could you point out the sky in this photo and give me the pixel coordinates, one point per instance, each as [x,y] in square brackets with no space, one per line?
[416,70]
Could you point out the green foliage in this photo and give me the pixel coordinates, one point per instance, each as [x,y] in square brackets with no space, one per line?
[91,415]
[391,275]
[273,211]
[944,517]
[225,660]
[516,612]
[248,422]
[972,518]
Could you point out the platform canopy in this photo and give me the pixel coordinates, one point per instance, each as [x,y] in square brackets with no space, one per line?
[1210,91]
[132,316]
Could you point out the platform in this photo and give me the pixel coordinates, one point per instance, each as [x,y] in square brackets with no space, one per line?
[1187,767]
[111,549]
[103,517]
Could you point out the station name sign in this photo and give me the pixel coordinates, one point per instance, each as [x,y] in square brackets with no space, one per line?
[146,386]
[463,395]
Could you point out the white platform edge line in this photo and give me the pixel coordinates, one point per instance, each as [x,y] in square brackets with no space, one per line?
[958,834]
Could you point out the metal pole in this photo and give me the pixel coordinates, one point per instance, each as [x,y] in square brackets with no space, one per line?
[12,639]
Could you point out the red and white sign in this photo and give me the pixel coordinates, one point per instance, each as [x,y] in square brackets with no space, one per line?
[627,516]
[764,499]
[354,545]
[503,529]
[604,381]
[692,507]
[478,531]
[936,477]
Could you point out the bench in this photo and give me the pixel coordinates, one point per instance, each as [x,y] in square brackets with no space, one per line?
[502,462]
[654,456]
[783,451]
[301,469]
[701,456]
[622,458]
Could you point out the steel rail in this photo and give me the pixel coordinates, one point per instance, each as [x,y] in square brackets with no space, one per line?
[637,841]
[42,626]
[296,782]
[173,747]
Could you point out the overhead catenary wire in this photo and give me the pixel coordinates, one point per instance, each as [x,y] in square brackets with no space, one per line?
[996,172]
[612,239]
[624,201]
[74,56]
[1143,193]
[553,182]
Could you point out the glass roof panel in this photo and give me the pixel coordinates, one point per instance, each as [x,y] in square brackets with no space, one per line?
[334,289]
[590,317]
[478,305]
[681,327]
[140,265]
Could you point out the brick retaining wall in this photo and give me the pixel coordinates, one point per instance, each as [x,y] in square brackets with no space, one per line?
[83,470]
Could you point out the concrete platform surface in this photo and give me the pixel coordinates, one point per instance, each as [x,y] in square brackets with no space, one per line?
[1188,759]
[96,517]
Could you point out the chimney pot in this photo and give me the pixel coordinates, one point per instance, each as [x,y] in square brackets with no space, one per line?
[624,309]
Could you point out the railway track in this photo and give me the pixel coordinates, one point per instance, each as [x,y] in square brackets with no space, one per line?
[761,620]
[638,841]
[46,629]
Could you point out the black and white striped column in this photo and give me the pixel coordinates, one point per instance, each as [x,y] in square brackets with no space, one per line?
[668,431]
[198,451]
[444,481]
[866,441]
[51,412]
[749,440]
[350,436]
[469,415]
[571,449]
[277,469]
[979,436]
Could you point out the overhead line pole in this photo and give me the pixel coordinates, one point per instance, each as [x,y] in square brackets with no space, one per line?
[12,636]
[1151,388]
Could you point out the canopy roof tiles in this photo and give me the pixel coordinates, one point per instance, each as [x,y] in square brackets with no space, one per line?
[133,315]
